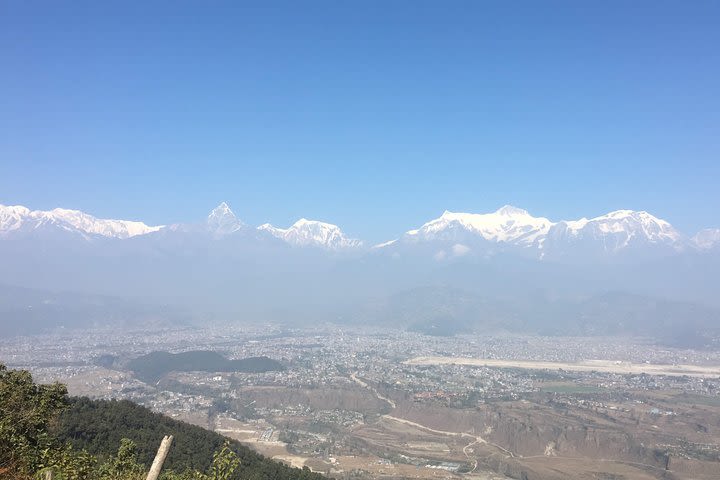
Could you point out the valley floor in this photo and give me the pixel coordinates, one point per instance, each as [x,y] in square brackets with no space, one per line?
[386,404]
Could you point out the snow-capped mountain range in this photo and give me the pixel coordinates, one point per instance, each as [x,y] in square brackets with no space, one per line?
[510,228]
[221,262]
[305,233]
[220,222]
[452,234]
[16,219]
[506,225]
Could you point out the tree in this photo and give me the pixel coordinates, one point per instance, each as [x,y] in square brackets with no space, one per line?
[124,465]
[224,464]
[26,413]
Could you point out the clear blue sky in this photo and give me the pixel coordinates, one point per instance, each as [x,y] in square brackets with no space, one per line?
[375,115]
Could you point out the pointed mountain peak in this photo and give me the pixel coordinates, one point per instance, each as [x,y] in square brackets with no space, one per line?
[509,210]
[222,220]
[221,210]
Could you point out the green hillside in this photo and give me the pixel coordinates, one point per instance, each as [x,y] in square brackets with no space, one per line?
[99,425]
[82,439]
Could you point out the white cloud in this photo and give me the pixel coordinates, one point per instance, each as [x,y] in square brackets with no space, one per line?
[459,249]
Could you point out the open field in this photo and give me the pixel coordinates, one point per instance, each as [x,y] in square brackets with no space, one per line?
[606,366]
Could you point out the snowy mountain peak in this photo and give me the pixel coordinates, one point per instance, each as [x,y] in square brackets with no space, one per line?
[509,211]
[508,224]
[11,217]
[222,220]
[222,210]
[614,232]
[19,218]
[653,227]
[635,214]
[304,233]
[512,227]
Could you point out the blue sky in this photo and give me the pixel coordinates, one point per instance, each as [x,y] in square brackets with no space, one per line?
[373,115]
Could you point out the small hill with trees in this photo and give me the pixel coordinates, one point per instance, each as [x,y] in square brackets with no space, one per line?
[155,365]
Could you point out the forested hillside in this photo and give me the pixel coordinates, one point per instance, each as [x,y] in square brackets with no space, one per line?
[99,425]
[42,428]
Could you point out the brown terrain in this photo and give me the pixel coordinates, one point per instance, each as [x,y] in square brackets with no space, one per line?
[646,435]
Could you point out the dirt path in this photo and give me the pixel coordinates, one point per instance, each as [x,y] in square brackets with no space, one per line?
[423,427]
[467,455]
[372,389]
[474,439]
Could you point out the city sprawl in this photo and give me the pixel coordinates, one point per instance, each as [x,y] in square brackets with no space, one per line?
[372,401]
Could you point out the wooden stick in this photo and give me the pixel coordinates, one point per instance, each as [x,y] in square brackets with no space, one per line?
[160,458]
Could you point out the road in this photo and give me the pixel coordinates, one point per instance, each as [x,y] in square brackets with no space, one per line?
[475,439]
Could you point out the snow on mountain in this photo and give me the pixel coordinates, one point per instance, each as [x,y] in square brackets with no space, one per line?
[385,244]
[12,217]
[16,218]
[622,221]
[451,235]
[615,231]
[507,225]
[513,227]
[707,238]
[304,233]
[222,220]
